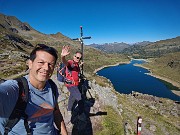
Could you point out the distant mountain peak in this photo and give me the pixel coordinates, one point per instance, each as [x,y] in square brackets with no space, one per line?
[111,47]
[143,43]
[57,35]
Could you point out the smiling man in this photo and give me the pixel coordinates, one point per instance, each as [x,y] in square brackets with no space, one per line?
[73,78]
[42,109]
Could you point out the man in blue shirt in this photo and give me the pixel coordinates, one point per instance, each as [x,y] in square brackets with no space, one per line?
[41,101]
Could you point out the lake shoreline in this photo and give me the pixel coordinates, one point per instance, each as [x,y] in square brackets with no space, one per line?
[120,63]
[168,80]
[162,78]
[151,74]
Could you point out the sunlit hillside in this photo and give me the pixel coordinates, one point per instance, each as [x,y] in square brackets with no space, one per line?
[17,39]
[167,66]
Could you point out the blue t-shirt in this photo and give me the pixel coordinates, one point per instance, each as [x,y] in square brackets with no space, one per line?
[39,109]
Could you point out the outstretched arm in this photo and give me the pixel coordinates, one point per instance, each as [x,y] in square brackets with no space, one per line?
[8,97]
[64,53]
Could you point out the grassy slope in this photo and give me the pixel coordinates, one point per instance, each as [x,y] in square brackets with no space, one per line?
[159,66]
[152,112]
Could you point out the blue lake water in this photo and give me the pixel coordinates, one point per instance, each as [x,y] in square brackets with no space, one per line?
[127,78]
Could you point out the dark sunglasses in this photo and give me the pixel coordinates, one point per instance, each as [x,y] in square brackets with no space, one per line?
[78,57]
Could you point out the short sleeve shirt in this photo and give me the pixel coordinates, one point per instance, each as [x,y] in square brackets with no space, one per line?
[39,109]
[75,70]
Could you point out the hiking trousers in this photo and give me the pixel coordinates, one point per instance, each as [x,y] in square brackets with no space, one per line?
[75,95]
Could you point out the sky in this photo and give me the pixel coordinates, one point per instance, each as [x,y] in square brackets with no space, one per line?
[106,21]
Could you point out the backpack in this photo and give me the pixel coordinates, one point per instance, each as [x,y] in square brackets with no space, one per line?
[62,72]
[19,109]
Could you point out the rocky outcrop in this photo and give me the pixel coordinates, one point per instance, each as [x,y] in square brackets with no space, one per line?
[24,27]
[14,30]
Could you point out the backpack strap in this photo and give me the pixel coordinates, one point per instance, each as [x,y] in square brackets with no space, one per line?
[54,88]
[19,109]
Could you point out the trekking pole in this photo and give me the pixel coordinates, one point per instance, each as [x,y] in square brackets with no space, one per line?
[82,45]
[139,128]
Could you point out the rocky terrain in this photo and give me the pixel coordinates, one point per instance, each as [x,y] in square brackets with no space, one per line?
[160,116]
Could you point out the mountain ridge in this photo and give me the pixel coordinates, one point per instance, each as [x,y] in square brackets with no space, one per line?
[17,36]
[143,49]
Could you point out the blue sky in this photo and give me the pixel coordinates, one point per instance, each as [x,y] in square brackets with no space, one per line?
[106,21]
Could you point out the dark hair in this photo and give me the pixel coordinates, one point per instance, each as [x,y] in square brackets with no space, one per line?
[43,47]
[78,52]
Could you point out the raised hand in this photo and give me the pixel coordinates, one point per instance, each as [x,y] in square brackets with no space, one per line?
[65,51]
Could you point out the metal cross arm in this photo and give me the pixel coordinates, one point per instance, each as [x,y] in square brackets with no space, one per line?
[86,37]
[79,39]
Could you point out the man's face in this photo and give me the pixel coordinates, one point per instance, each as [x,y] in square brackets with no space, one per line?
[42,67]
[77,57]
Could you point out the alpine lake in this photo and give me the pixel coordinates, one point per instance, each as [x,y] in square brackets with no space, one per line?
[127,78]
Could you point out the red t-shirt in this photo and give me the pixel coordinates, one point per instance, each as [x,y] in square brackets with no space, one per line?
[74,72]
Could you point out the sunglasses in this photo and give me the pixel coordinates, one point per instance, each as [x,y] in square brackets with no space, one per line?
[78,57]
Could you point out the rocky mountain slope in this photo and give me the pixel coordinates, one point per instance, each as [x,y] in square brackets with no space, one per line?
[17,39]
[156,49]
[143,49]
[117,47]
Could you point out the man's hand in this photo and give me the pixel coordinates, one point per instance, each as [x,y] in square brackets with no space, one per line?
[81,63]
[65,51]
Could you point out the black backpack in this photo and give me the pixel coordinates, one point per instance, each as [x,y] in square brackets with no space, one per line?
[19,109]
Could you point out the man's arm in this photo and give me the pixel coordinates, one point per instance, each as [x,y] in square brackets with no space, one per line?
[8,97]
[58,119]
[63,59]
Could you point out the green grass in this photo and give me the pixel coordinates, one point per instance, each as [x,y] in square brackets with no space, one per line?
[112,123]
[159,66]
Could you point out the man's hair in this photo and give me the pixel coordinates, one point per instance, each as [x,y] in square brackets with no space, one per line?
[78,52]
[43,47]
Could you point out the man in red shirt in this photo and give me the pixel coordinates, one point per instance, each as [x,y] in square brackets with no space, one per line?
[72,78]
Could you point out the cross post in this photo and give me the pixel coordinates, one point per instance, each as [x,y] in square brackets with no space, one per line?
[82,44]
